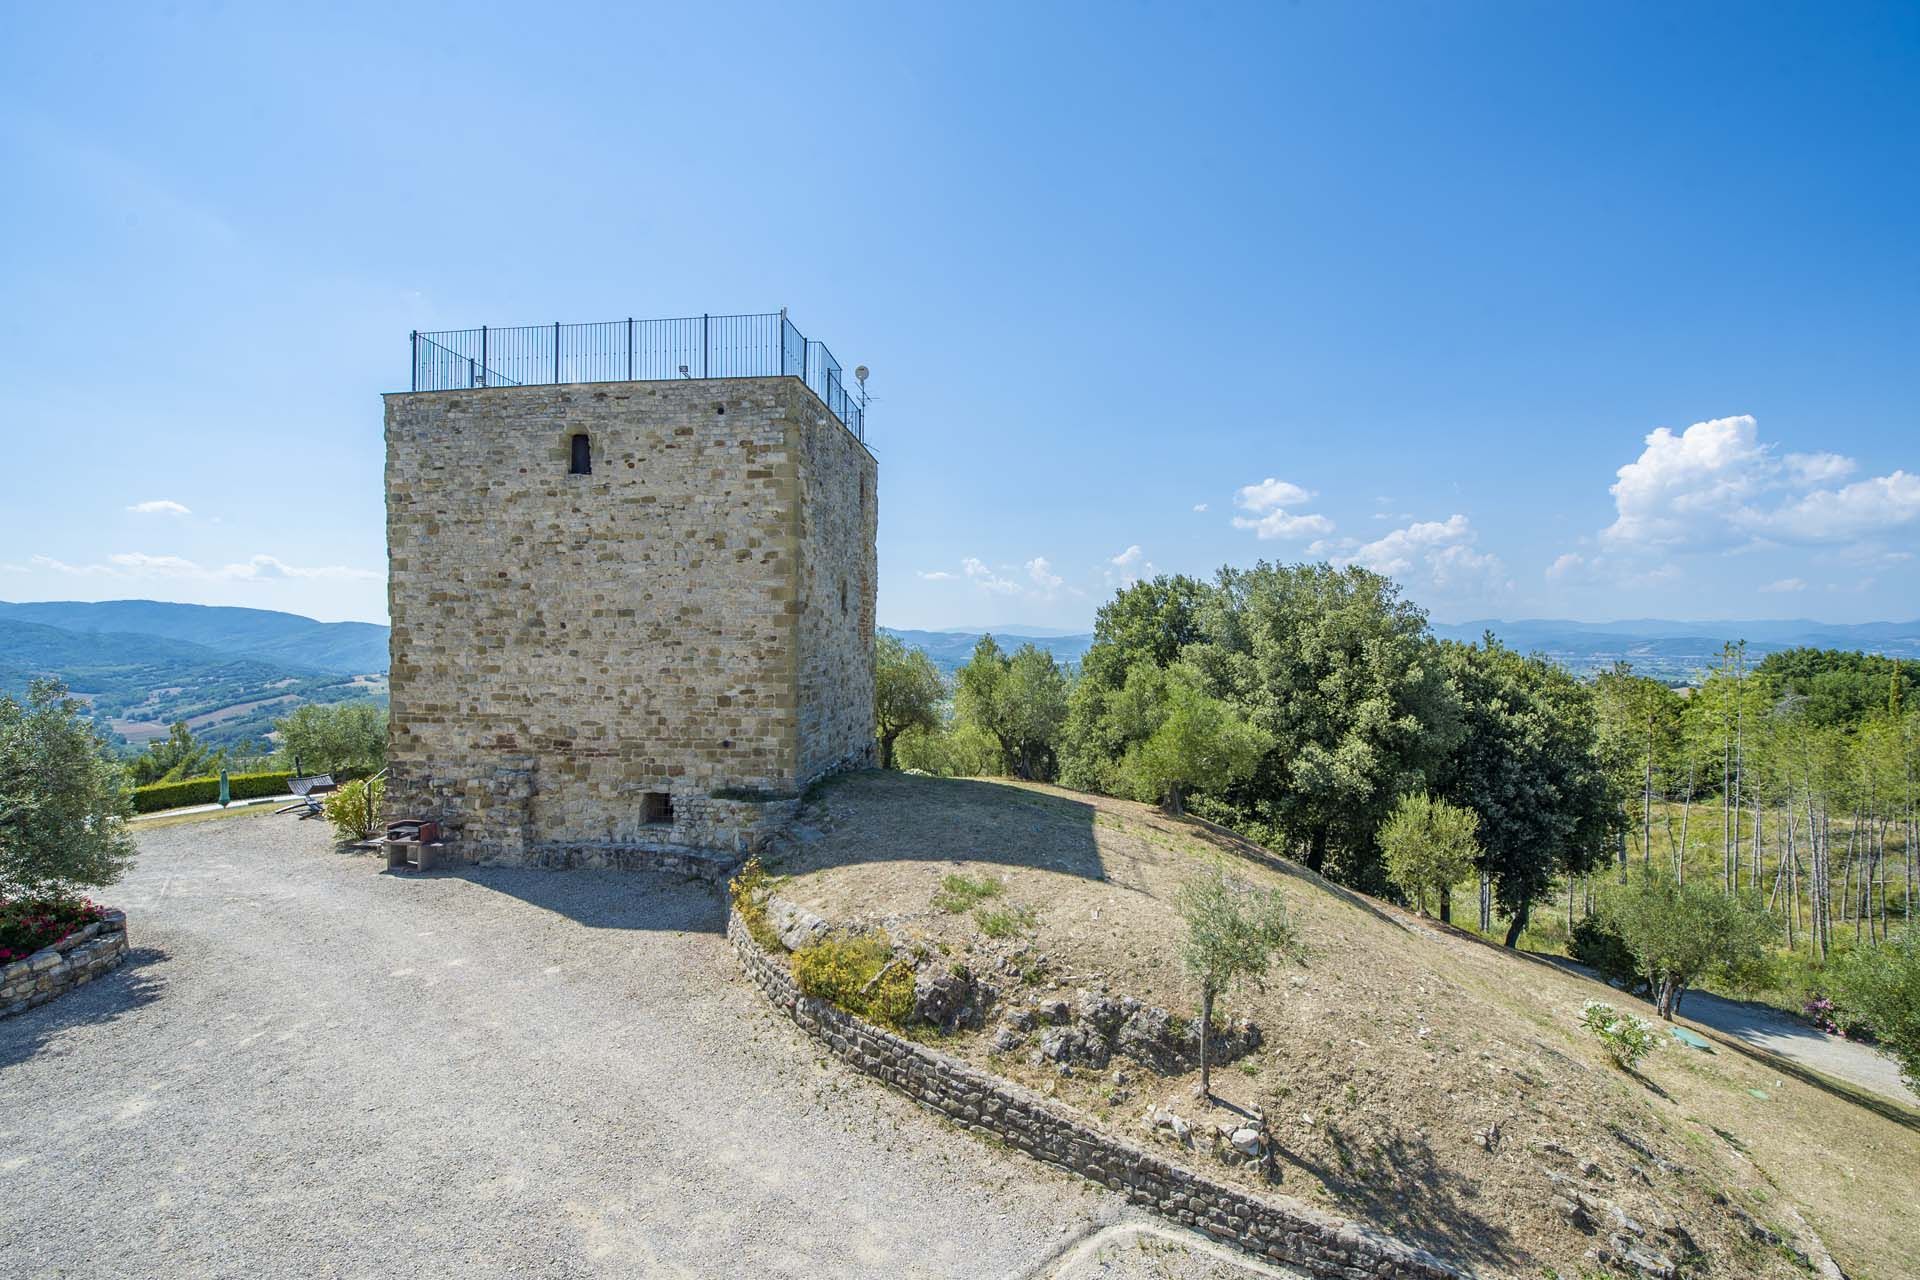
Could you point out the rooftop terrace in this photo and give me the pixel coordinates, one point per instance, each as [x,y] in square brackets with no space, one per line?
[751,346]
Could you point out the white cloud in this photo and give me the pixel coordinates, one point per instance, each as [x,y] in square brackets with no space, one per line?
[983,576]
[1717,486]
[1269,501]
[1810,469]
[937,575]
[1567,566]
[1786,584]
[1837,515]
[1043,575]
[1282,524]
[159,507]
[1271,493]
[1199,506]
[1435,553]
[1128,567]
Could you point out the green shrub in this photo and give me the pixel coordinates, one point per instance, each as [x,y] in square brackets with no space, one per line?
[748,891]
[354,810]
[860,974]
[63,803]
[1627,1038]
[1004,922]
[1598,945]
[240,786]
[1880,986]
[958,893]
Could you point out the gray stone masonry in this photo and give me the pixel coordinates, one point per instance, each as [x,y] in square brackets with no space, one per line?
[80,957]
[1282,1230]
[655,655]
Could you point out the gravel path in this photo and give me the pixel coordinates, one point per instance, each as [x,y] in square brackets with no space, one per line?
[310,1067]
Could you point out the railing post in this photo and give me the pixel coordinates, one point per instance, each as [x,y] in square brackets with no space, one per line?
[483,355]
[413,341]
[706,346]
[629,348]
[473,379]
[556,352]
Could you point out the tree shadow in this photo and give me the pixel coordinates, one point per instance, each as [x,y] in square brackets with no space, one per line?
[133,983]
[1230,841]
[1400,1188]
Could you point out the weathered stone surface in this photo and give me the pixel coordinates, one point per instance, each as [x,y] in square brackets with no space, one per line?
[692,620]
[80,957]
[1277,1228]
[941,995]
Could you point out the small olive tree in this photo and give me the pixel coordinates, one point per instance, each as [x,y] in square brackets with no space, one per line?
[1234,931]
[1430,846]
[907,692]
[329,737]
[1881,987]
[63,803]
[1679,932]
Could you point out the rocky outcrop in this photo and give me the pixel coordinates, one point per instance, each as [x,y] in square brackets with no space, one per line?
[1098,1026]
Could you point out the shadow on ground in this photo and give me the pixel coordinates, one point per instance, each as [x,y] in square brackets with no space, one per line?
[884,816]
[1397,1186]
[133,983]
[601,899]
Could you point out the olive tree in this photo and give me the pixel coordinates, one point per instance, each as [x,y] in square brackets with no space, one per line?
[1198,742]
[1881,987]
[63,803]
[1233,931]
[331,737]
[1678,933]
[907,692]
[1430,846]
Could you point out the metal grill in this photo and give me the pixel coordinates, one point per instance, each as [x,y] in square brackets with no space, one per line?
[706,346]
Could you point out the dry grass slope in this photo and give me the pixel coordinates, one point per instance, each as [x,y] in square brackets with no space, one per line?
[1419,1078]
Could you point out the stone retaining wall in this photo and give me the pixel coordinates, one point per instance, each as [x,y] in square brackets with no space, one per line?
[80,957]
[1284,1231]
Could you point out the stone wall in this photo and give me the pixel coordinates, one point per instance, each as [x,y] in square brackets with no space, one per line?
[80,957]
[1283,1231]
[566,649]
[839,513]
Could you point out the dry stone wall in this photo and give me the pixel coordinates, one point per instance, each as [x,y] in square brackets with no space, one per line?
[1282,1231]
[80,957]
[583,661]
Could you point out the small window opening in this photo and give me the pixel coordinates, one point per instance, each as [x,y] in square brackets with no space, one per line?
[843,595]
[582,456]
[656,809]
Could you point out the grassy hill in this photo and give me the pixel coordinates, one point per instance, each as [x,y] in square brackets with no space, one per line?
[1417,1077]
[950,649]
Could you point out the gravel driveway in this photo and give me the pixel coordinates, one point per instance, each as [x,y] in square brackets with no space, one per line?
[309,1067]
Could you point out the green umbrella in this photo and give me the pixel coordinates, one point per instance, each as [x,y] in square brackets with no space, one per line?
[226,795]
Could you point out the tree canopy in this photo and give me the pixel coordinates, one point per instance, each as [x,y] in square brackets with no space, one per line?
[63,803]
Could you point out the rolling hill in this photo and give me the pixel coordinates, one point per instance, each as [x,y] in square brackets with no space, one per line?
[348,648]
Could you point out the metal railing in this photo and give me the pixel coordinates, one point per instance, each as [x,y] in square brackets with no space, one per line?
[755,346]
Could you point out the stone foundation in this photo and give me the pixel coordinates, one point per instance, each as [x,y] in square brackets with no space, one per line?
[78,958]
[1283,1231]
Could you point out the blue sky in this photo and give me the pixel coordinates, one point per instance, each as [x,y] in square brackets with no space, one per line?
[1594,311]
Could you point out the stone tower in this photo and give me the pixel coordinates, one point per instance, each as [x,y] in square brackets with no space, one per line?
[629,617]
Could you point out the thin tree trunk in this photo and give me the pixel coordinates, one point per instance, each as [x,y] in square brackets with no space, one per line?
[1206,1039]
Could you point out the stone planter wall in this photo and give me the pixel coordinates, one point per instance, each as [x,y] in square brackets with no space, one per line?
[80,957]
[1285,1231]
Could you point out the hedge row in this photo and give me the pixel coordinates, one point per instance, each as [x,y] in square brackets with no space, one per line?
[240,786]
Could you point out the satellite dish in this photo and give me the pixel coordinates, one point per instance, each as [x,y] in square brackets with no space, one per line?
[860,375]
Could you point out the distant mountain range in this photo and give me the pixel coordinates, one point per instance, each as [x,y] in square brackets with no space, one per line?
[950,650]
[1660,647]
[229,673]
